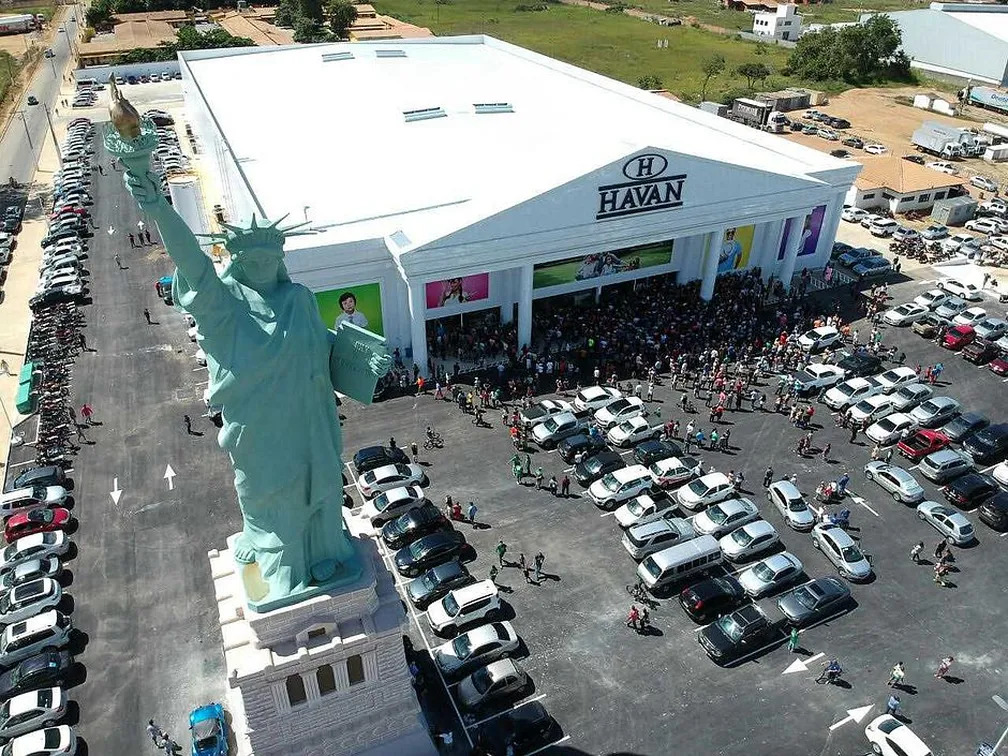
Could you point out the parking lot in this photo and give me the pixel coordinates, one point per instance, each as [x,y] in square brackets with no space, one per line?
[614,690]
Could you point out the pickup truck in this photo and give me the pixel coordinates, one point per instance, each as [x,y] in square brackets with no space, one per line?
[542,411]
[555,429]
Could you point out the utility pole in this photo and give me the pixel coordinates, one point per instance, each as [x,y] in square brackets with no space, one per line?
[52,132]
[26,131]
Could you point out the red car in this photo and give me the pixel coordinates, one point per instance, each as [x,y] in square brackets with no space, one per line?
[999,365]
[958,337]
[36,521]
[922,443]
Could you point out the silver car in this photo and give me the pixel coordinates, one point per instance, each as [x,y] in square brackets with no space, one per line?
[935,411]
[770,574]
[28,599]
[788,500]
[910,396]
[477,647]
[947,521]
[897,481]
[487,684]
[839,548]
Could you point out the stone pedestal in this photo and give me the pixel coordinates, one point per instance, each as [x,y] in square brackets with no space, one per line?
[324,677]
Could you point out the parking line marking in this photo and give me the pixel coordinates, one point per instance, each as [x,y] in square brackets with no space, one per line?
[564,739]
[608,514]
[863,503]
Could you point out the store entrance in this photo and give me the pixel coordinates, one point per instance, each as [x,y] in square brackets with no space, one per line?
[473,339]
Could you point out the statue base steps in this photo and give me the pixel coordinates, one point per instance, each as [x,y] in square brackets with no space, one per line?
[324,677]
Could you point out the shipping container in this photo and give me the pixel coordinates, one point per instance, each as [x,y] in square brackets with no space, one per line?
[18,24]
[985,97]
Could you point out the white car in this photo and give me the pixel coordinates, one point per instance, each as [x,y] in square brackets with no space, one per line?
[942,167]
[871,410]
[853,214]
[934,232]
[999,242]
[947,521]
[891,429]
[390,504]
[967,291]
[619,486]
[990,329]
[387,477]
[771,574]
[643,508]
[818,339]
[463,606]
[28,599]
[931,299]
[850,392]
[1000,474]
[34,546]
[816,377]
[955,241]
[910,395]
[725,516]
[897,481]
[935,411]
[983,225]
[875,149]
[32,710]
[902,233]
[904,314]
[949,309]
[543,410]
[475,648]
[596,397]
[895,378]
[200,357]
[702,492]
[883,227]
[788,500]
[632,431]
[51,741]
[984,182]
[749,540]
[839,548]
[25,499]
[890,737]
[616,412]
[970,316]
[867,221]
[668,474]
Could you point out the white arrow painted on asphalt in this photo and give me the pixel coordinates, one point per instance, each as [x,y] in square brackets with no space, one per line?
[116,492]
[853,715]
[140,224]
[858,500]
[110,230]
[801,665]
[169,475]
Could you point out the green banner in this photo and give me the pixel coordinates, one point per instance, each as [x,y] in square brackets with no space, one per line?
[602,264]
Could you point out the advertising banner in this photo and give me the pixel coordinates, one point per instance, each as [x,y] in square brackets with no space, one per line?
[601,264]
[810,233]
[458,290]
[735,249]
[360,304]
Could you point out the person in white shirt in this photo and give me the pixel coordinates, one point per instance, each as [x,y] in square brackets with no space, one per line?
[348,303]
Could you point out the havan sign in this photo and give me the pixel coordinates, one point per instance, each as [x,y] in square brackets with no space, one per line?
[647,189]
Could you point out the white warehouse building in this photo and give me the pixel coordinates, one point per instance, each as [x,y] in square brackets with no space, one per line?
[452,175]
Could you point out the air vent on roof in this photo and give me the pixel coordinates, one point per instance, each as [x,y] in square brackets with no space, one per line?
[493,107]
[390,53]
[424,114]
[330,57]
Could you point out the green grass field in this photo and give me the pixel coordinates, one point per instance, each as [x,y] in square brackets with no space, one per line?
[46,10]
[612,44]
[711,12]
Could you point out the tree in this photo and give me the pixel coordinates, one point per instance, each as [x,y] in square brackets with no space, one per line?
[99,15]
[650,81]
[307,31]
[287,13]
[341,17]
[869,52]
[752,72]
[311,10]
[187,38]
[713,65]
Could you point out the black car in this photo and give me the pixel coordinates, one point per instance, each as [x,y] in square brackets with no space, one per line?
[814,600]
[373,457]
[58,295]
[526,729]
[963,426]
[839,123]
[980,352]
[735,634]
[42,670]
[860,364]
[50,475]
[428,551]
[994,511]
[587,471]
[711,598]
[413,524]
[581,443]
[919,159]
[840,248]
[853,142]
[989,445]
[437,582]
[652,450]
[839,153]
[970,490]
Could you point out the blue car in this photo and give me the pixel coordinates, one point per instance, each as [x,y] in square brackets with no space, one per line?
[209,731]
[856,255]
[872,266]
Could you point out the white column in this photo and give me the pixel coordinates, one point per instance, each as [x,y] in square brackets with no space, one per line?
[771,245]
[418,325]
[505,281]
[791,252]
[712,252]
[525,307]
[827,236]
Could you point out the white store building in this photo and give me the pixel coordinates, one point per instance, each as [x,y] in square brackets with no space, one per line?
[453,175]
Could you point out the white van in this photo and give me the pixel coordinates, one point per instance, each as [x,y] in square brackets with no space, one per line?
[679,562]
[619,486]
[50,629]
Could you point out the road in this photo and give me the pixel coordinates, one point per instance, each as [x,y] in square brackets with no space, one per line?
[20,146]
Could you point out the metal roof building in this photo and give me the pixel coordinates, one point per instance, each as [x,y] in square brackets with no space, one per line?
[963,40]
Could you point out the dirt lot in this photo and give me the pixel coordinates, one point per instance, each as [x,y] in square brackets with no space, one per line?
[877,116]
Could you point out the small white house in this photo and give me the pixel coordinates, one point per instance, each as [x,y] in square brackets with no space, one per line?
[784,23]
[888,181]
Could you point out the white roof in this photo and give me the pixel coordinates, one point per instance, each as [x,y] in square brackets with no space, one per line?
[332,134]
[995,24]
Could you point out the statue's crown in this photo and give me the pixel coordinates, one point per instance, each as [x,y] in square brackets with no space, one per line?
[238,239]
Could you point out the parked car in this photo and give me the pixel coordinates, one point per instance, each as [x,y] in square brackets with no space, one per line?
[890,737]
[993,512]
[792,506]
[46,475]
[33,569]
[813,601]
[971,316]
[904,314]
[771,574]
[850,392]
[37,546]
[590,469]
[970,490]
[209,730]
[873,266]
[958,337]
[596,397]
[950,308]
[991,329]
[736,634]
[910,395]
[464,606]
[852,214]
[951,524]
[839,548]
[854,142]
[543,410]
[725,516]
[489,684]
[649,452]
[935,231]
[36,521]
[373,457]
[895,480]
[819,339]
[712,598]
[891,429]
[965,425]
[646,538]
[429,551]
[387,477]
[45,669]
[436,582]
[984,182]
[860,364]
[50,741]
[875,149]
[413,524]
[619,486]
[902,233]
[616,412]
[969,292]
[643,508]
[921,444]
[749,540]
[870,410]
[477,647]
[944,465]
[388,505]
[988,445]
[29,599]
[581,445]
[857,254]
[48,631]
[632,431]
[927,325]
[816,378]
[702,492]
[936,411]
[526,728]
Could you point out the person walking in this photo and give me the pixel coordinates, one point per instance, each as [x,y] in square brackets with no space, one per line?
[650,391]
[528,464]
[539,478]
[494,572]
[414,451]
[118,262]
[471,512]
[893,705]
[792,644]
[501,550]
[516,468]
[132,242]
[940,571]
[147,236]
[526,570]
[767,477]
[940,548]
[915,552]
[825,453]
[188,424]
[853,432]
[540,558]
[553,485]
[633,617]
[565,486]
[897,674]
[155,733]
[87,413]
[943,667]
[146,314]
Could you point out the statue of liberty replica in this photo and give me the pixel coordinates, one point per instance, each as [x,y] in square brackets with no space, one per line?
[273,367]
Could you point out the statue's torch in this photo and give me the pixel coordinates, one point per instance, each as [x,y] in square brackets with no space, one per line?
[129,138]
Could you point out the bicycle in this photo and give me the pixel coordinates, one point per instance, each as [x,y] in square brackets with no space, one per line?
[828,676]
[434,441]
[637,591]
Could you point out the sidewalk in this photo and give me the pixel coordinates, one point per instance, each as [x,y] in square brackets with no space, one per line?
[22,279]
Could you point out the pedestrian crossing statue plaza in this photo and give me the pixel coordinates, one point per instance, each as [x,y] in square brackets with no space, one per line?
[273,366]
